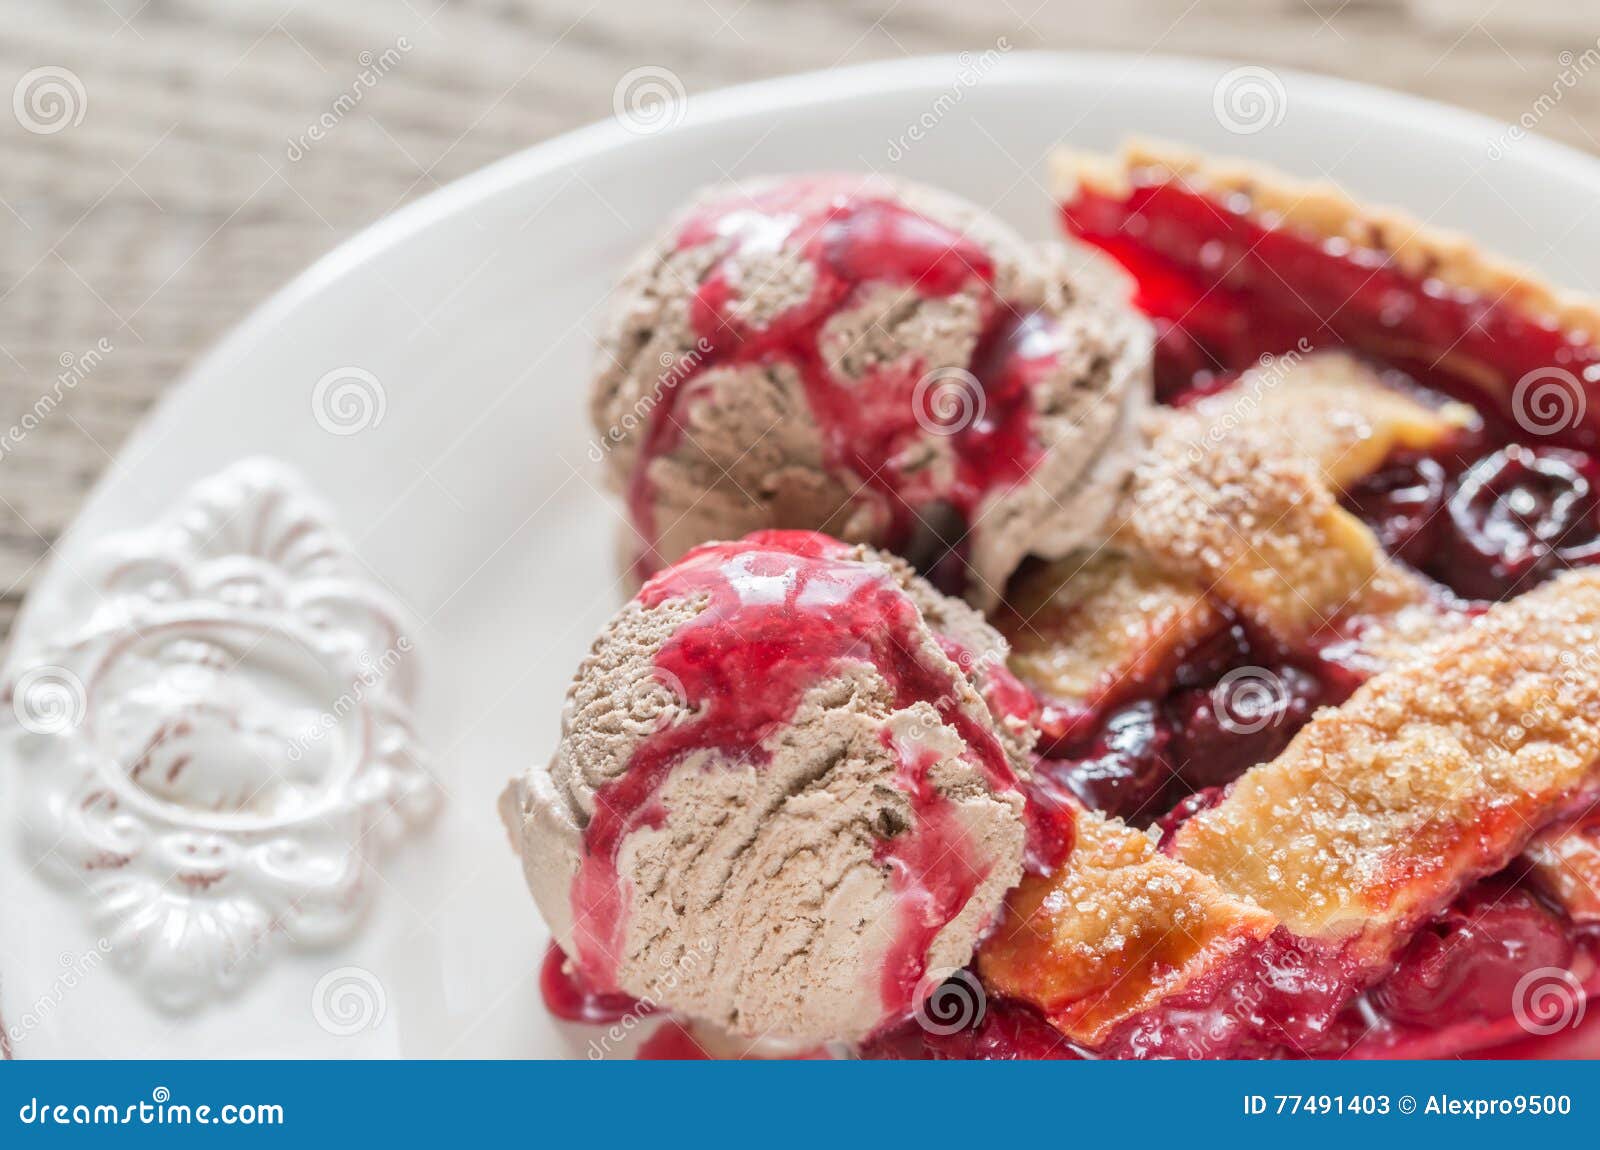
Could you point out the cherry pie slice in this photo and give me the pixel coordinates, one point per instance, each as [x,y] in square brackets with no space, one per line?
[1373,432]
[1268,912]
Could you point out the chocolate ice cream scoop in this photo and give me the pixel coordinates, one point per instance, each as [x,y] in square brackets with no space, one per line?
[871,358]
[786,794]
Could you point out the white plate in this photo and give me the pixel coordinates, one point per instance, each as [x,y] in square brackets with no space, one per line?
[473,499]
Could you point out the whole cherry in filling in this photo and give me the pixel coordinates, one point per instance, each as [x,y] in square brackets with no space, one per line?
[1403,502]
[1519,514]
[1467,965]
[1228,705]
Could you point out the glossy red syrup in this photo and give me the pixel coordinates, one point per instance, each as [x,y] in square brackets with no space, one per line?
[570,997]
[785,611]
[675,1041]
[1008,1031]
[853,238]
[1466,965]
[1158,740]
[672,1042]
[936,870]
[1052,823]
[1219,285]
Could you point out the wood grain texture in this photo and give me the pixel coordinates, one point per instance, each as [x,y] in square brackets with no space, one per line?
[188,191]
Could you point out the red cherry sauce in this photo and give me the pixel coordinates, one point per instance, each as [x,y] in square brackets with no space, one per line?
[1159,738]
[785,610]
[672,1041]
[1226,290]
[1007,1031]
[676,1041]
[853,237]
[572,998]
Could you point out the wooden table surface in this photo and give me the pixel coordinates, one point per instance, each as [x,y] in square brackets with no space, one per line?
[173,185]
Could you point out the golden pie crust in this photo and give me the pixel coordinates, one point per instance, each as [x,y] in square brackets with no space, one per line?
[1234,511]
[1434,773]
[1083,628]
[1115,930]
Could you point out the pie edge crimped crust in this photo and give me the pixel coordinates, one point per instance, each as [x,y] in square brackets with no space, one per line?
[1324,210]
[1440,750]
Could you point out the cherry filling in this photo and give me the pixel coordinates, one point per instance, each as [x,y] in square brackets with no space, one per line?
[1466,966]
[671,1042]
[1520,514]
[1488,526]
[1000,1030]
[1225,289]
[1403,502]
[1488,515]
[1229,705]
[571,997]
[852,240]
